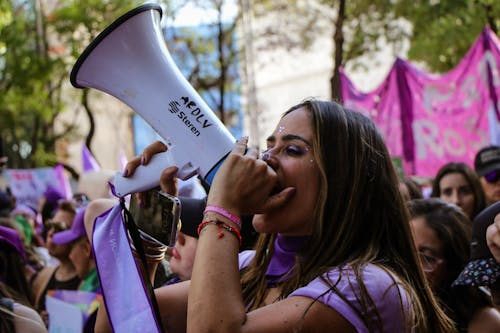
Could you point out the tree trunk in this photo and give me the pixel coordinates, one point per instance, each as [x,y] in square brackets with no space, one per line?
[88,111]
[338,39]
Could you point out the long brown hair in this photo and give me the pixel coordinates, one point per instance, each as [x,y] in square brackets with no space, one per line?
[360,218]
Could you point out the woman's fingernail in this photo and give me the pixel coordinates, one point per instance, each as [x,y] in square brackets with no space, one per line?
[291,193]
[143,159]
[125,173]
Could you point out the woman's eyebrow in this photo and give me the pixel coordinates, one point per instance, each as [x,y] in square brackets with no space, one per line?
[288,137]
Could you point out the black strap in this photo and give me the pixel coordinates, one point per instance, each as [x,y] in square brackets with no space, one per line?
[137,242]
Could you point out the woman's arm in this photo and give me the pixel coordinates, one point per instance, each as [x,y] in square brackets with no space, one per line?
[485,320]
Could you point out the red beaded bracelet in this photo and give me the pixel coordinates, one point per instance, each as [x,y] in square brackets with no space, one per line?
[221,225]
[223,212]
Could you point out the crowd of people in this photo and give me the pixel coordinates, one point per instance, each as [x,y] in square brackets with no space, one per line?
[317,233]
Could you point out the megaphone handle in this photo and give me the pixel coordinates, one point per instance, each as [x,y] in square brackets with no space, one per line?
[145,177]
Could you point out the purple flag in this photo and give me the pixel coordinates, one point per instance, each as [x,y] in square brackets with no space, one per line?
[63,181]
[89,163]
[428,120]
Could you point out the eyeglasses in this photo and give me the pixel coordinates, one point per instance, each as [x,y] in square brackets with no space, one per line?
[57,226]
[429,262]
[80,200]
[493,176]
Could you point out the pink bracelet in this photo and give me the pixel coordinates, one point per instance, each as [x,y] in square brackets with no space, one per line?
[223,212]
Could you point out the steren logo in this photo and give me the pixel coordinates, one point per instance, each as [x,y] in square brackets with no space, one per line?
[191,109]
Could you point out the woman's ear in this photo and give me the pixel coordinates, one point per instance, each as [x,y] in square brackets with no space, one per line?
[87,248]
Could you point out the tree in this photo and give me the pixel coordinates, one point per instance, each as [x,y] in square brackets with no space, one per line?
[38,46]
[443,31]
[208,56]
[358,28]
[88,19]
[30,81]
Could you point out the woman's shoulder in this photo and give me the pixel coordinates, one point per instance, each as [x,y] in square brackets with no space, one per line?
[374,278]
[485,320]
[343,289]
[27,319]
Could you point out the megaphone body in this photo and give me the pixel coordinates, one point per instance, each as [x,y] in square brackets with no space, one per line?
[130,61]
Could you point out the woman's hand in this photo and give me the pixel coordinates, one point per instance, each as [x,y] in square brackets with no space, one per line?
[168,180]
[244,183]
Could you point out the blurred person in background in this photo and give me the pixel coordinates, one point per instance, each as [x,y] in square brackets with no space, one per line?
[487,165]
[409,189]
[13,264]
[442,236]
[61,273]
[457,183]
[82,257]
[493,238]
[81,252]
[6,203]
[17,317]
[48,205]
[27,220]
[483,269]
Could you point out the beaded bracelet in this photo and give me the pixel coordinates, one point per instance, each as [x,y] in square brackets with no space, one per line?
[221,225]
[223,212]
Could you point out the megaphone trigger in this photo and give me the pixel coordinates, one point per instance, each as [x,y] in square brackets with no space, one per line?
[187,171]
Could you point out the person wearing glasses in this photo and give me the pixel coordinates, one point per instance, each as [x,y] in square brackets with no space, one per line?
[487,165]
[442,234]
[61,275]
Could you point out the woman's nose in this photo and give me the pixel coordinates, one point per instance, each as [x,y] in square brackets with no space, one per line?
[270,157]
[180,238]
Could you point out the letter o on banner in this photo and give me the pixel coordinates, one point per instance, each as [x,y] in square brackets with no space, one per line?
[453,143]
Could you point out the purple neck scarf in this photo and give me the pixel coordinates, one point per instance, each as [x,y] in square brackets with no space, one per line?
[283,258]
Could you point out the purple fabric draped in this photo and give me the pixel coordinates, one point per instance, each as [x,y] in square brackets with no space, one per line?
[89,163]
[283,258]
[127,303]
[428,120]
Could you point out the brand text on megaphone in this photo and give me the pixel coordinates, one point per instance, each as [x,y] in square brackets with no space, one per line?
[190,109]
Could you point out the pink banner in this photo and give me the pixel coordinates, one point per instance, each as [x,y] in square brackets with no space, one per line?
[429,120]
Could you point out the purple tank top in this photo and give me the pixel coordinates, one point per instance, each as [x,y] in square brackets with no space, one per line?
[391,300]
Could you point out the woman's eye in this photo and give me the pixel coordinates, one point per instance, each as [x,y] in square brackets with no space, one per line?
[446,192]
[465,190]
[294,151]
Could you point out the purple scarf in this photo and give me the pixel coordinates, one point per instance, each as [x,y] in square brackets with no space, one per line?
[283,258]
[127,303]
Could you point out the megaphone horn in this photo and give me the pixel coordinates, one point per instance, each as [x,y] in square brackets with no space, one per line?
[130,61]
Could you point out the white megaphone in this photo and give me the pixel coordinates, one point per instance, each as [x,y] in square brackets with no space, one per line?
[130,61]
